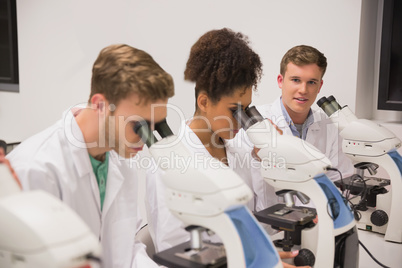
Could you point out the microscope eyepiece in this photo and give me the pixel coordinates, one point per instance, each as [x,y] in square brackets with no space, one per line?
[328,105]
[321,101]
[334,103]
[143,129]
[253,113]
[163,129]
[248,117]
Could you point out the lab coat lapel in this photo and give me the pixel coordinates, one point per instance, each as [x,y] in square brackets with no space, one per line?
[192,140]
[274,113]
[318,117]
[84,169]
[114,182]
[80,155]
[278,118]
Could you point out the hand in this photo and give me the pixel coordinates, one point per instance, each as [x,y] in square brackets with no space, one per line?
[254,154]
[288,255]
[5,161]
[315,219]
[276,127]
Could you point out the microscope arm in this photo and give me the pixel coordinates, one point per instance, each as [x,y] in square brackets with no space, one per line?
[285,157]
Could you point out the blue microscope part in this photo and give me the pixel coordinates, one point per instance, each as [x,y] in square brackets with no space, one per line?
[340,209]
[397,159]
[259,251]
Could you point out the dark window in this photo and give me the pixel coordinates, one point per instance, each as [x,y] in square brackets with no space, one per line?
[390,79]
[9,78]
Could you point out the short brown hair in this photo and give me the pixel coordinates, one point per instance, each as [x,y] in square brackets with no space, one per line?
[221,62]
[303,55]
[121,70]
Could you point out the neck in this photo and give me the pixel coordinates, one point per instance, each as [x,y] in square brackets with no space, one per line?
[201,128]
[298,119]
[88,122]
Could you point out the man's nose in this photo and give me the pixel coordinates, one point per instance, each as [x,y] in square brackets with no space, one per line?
[303,88]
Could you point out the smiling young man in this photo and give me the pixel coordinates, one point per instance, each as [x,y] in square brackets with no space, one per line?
[301,71]
[82,159]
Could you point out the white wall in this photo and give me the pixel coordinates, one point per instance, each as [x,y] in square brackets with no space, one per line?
[59,40]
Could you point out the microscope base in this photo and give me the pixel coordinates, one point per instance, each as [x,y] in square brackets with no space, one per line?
[365,223]
[212,255]
[374,214]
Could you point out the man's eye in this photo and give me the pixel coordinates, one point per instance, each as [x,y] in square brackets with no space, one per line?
[312,82]
[295,80]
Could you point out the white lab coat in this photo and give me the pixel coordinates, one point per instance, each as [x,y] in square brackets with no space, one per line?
[165,229]
[323,134]
[56,160]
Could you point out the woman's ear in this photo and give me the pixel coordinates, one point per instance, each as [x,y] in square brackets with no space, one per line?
[203,101]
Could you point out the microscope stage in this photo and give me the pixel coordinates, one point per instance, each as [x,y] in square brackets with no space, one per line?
[286,218]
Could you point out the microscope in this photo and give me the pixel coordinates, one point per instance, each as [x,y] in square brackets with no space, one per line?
[369,146]
[38,230]
[295,168]
[208,197]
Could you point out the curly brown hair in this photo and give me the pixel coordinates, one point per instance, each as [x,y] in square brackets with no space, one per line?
[221,62]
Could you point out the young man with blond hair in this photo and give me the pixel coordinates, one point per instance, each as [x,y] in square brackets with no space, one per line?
[82,159]
[301,71]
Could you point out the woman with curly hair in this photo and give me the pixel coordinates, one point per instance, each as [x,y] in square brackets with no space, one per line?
[225,71]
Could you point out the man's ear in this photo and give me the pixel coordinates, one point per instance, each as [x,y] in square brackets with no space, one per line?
[280,80]
[99,102]
[322,82]
[203,101]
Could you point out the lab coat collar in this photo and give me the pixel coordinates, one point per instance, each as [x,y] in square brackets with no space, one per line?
[77,144]
[191,139]
[277,116]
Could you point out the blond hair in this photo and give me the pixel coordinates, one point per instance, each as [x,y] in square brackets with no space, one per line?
[121,70]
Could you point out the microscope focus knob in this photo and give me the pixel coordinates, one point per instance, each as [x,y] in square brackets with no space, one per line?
[304,258]
[379,217]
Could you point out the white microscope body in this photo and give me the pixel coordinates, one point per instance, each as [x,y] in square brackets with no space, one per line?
[290,163]
[211,195]
[366,141]
[38,230]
